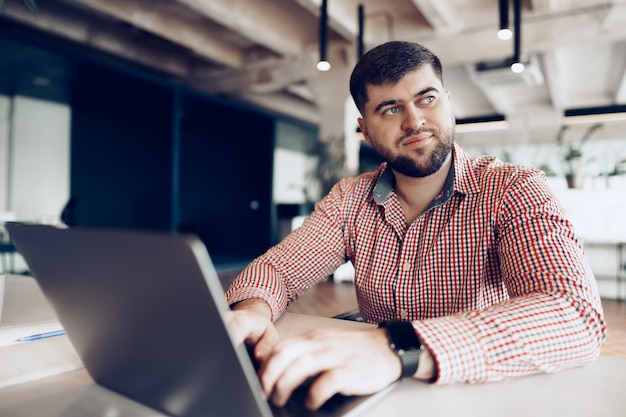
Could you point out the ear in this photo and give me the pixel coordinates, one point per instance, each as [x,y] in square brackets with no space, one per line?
[364,130]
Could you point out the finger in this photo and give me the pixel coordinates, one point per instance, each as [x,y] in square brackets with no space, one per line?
[323,388]
[273,366]
[303,369]
[265,344]
[285,369]
[301,366]
[238,326]
[248,328]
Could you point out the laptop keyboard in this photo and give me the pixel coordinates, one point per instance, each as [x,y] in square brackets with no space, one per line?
[295,406]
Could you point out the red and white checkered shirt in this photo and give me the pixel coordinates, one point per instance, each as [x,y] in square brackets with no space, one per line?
[491,274]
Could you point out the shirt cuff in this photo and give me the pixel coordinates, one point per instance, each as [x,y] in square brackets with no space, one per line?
[456,351]
[259,281]
[250,292]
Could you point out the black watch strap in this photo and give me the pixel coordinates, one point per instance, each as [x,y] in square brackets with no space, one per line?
[404,341]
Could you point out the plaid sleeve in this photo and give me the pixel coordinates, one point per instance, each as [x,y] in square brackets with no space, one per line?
[554,318]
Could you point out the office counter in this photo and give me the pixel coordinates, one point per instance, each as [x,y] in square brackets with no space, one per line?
[596,390]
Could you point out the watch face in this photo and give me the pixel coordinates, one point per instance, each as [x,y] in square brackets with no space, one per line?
[402,335]
[404,340]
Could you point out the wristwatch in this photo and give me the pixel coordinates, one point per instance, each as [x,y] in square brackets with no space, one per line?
[404,341]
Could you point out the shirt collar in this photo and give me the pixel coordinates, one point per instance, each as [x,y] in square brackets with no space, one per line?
[466,180]
[384,184]
[461,178]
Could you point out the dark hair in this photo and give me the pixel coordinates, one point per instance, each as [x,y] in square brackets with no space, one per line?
[389,63]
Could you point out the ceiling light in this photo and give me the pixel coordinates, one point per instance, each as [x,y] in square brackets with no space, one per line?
[505,32]
[517,67]
[323,64]
[360,43]
[500,73]
[595,114]
[361,28]
[481,124]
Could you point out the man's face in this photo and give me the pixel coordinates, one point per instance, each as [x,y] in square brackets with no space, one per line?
[410,124]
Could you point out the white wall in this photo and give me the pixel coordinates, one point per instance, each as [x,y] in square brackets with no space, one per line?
[600,156]
[34,161]
[599,219]
[294,165]
[292,176]
[37,185]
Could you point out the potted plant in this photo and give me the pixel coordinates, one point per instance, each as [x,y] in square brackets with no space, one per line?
[327,170]
[572,154]
[618,170]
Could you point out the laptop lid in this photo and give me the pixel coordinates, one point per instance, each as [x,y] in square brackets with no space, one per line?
[146,314]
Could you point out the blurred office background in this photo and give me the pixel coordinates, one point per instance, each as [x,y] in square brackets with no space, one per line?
[212,118]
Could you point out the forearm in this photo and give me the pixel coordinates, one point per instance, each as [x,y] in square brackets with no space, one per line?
[255,305]
[427,368]
[259,282]
[532,334]
[288,269]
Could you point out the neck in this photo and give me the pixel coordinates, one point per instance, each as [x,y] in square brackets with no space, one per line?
[416,194]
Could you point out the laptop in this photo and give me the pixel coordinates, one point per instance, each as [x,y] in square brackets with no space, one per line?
[147,315]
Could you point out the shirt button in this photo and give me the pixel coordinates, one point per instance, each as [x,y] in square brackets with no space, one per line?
[406,267]
[404,315]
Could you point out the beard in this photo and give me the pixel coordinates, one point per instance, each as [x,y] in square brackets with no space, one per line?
[418,164]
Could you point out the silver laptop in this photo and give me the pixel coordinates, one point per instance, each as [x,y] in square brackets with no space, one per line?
[147,315]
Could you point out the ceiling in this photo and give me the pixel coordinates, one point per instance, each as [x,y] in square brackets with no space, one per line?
[264,52]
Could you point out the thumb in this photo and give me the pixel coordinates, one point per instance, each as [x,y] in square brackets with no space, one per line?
[265,344]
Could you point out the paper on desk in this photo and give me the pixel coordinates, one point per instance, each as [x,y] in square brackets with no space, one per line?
[22,362]
[10,334]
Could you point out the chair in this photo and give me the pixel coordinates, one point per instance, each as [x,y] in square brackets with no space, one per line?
[352,315]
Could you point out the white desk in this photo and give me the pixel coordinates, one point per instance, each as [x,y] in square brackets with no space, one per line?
[597,390]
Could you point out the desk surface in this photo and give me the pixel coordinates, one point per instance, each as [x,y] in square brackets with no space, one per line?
[596,390]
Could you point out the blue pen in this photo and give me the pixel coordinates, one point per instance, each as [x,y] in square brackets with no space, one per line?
[41,336]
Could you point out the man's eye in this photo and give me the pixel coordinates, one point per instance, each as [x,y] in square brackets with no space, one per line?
[428,100]
[392,110]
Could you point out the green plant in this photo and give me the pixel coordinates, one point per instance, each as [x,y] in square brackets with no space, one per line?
[572,152]
[618,169]
[329,167]
[547,169]
[29,3]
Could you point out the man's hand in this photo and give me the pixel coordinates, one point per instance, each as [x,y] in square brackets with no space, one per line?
[253,322]
[350,362]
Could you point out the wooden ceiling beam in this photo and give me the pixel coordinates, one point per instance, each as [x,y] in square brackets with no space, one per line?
[182,29]
[268,76]
[342,16]
[285,104]
[290,29]
[440,14]
[82,28]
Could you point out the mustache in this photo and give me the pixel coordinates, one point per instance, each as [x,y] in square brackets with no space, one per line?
[419,131]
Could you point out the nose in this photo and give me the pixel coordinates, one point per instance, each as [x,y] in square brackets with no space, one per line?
[413,118]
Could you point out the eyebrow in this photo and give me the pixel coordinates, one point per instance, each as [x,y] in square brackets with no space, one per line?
[391,102]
